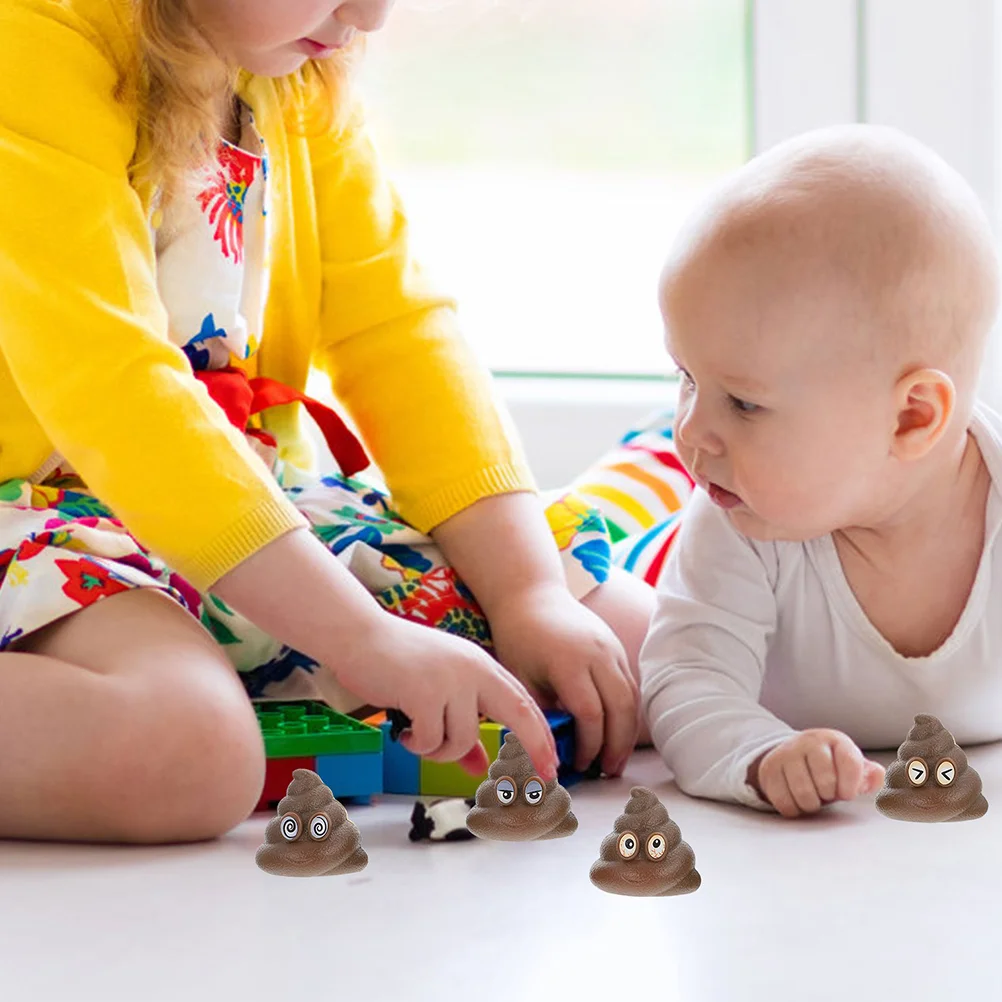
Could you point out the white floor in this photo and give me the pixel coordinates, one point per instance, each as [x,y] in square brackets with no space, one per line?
[846,906]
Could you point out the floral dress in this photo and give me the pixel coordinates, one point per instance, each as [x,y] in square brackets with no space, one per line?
[62,548]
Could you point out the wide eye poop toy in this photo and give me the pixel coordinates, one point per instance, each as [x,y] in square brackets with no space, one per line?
[644,855]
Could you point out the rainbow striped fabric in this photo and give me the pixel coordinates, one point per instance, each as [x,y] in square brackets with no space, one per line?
[641,488]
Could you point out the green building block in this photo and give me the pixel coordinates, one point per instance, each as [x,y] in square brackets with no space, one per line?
[307,727]
[447,779]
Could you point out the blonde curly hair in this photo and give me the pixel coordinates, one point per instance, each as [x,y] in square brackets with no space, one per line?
[185,91]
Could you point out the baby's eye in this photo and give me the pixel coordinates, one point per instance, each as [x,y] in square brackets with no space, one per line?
[686,379]
[291,827]
[742,406]
[534,791]
[917,770]
[627,845]
[505,790]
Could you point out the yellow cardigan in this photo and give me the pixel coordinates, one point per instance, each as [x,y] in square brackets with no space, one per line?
[86,367]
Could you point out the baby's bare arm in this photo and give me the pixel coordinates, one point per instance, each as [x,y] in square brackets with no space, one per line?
[811,769]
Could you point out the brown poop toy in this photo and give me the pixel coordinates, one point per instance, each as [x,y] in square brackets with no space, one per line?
[931,780]
[311,836]
[514,805]
[644,855]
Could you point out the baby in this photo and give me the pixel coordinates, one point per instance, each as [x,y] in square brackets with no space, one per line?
[839,569]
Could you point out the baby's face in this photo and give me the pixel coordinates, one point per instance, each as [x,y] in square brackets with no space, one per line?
[778,419]
[273,38]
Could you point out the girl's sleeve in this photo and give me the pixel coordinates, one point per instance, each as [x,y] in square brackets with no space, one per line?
[702,665]
[83,333]
[391,345]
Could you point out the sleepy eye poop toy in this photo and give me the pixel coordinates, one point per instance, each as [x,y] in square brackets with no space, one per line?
[514,805]
[930,780]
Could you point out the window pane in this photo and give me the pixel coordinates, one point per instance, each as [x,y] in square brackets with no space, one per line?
[547,150]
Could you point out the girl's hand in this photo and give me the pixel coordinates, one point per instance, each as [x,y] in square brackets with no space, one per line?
[296,591]
[443,683]
[811,769]
[561,650]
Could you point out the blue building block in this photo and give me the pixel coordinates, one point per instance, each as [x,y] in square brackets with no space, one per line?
[562,726]
[401,768]
[349,776]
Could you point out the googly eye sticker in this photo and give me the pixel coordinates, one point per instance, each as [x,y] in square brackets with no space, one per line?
[533,791]
[505,790]
[656,845]
[320,826]
[946,772]
[628,845]
[917,770]
[291,826]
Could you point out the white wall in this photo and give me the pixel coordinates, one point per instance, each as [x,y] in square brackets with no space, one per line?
[566,424]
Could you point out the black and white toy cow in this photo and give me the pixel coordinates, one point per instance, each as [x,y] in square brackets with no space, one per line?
[441,820]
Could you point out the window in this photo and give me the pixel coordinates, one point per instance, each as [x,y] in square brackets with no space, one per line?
[547,151]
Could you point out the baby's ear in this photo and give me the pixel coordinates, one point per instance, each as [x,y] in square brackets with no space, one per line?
[925,400]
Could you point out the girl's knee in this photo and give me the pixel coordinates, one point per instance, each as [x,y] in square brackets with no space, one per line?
[193,768]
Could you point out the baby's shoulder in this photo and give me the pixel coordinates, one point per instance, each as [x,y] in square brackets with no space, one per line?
[986,427]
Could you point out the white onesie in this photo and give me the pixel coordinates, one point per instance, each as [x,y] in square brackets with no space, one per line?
[752,641]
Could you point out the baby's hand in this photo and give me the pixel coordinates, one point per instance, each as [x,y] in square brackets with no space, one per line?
[811,769]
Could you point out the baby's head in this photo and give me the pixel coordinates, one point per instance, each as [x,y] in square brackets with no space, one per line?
[828,310]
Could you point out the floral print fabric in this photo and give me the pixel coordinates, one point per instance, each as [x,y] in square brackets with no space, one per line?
[61,550]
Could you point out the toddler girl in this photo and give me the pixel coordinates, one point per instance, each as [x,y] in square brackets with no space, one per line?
[193,217]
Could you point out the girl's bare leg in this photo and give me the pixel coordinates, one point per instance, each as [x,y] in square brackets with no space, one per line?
[124,722]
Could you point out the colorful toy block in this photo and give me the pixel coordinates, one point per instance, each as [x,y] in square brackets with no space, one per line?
[277,777]
[401,768]
[352,776]
[447,779]
[406,773]
[307,727]
[306,734]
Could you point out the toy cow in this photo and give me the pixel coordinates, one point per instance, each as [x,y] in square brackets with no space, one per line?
[442,820]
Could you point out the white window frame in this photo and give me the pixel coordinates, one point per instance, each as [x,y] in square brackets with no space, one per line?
[931,67]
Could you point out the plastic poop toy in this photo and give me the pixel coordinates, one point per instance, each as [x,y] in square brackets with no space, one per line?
[311,836]
[931,780]
[644,855]
[514,805]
